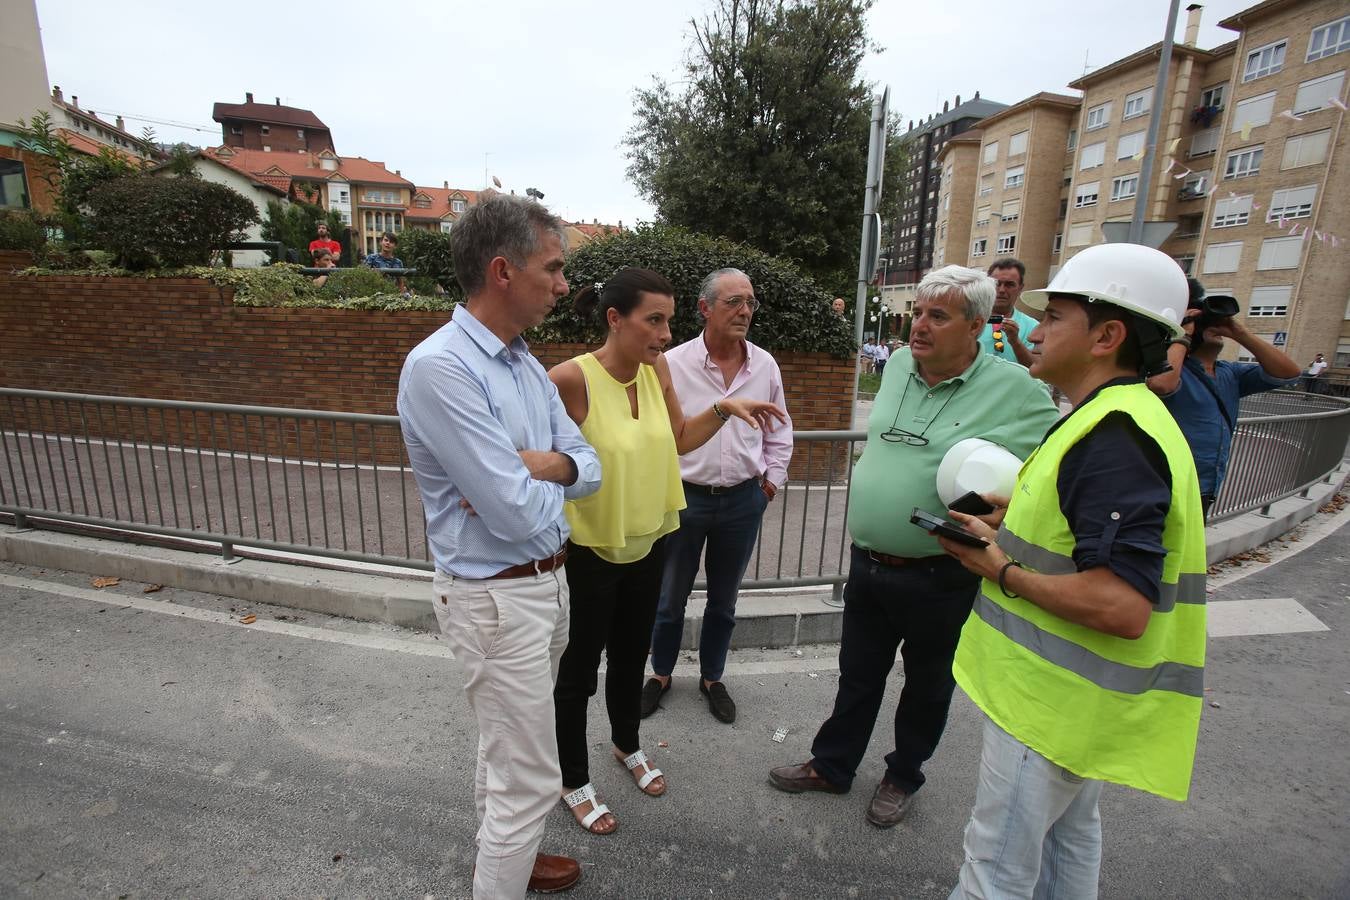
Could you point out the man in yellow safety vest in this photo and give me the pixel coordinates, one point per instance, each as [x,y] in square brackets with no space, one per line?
[1085,648]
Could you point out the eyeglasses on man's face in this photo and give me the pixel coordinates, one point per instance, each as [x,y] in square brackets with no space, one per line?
[735,301]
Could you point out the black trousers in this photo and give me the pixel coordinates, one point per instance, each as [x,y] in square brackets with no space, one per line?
[919,608]
[613,609]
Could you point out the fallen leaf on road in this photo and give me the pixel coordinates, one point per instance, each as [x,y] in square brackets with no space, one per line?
[248,620]
[152,588]
[337,857]
[103,581]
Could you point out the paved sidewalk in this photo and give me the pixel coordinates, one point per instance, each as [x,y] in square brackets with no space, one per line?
[770,618]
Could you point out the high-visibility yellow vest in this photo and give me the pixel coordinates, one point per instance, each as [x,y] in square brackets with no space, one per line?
[1103,707]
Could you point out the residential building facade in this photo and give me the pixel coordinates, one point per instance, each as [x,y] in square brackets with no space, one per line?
[912,240]
[260,126]
[1249,171]
[1012,197]
[1276,231]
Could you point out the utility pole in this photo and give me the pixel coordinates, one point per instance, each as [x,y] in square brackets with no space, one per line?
[871,230]
[1154,121]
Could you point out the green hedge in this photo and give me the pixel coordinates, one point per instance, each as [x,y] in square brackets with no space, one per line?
[794,313]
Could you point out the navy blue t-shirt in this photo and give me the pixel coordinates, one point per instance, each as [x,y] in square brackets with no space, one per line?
[1115,488]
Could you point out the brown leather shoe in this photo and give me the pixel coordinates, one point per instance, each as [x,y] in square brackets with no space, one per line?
[797,779]
[889,805]
[554,873]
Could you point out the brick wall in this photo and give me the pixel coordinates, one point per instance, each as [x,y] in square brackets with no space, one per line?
[184,339]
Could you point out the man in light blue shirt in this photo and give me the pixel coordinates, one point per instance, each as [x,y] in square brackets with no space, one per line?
[1008,337]
[495,455]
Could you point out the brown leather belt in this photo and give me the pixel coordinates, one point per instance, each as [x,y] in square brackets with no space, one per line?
[534,567]
[898,562]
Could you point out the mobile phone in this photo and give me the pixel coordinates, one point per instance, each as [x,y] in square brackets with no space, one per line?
[972,504]
[929,522]
[996,319]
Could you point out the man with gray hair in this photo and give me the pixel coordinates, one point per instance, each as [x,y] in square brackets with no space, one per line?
[902,590]
[728,482]
[495,455]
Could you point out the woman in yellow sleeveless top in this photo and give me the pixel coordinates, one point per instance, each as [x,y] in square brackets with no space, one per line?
[622,398]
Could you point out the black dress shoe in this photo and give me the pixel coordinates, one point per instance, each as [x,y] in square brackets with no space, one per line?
[651,695]
[799,779]
[889,805]
[719,701]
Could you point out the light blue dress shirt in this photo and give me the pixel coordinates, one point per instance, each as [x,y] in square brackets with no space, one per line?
[467,403]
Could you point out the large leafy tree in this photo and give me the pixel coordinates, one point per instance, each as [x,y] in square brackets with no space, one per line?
[767,140]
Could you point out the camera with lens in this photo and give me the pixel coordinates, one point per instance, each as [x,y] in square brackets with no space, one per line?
[1209,311]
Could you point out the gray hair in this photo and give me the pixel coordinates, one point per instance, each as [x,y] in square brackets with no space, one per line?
[708,289]
[976,287]
[501,225]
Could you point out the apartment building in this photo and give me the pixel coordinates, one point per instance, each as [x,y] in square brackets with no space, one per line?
[1110,147]
[959,163]
[1019,182]
[1249,170]
[364,192]
[271,127]
[911,243]
[1276,228]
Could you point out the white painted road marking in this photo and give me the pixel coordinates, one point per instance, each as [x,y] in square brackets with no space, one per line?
[1226,618]
[1278,615]
[105,598]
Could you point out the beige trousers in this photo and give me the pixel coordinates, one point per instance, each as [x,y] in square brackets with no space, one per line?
[508,636]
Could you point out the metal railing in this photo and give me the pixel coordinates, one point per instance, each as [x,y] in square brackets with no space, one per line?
[1285,442]
[338,485]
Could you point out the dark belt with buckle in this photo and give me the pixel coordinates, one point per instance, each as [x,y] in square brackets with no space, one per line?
[714,490]
[898,562]
[534,567]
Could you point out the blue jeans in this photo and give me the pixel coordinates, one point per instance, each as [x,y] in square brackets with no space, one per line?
[728,523]
[1034,832]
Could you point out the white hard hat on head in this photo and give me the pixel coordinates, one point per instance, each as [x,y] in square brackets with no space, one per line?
[976,465]
[1139,279]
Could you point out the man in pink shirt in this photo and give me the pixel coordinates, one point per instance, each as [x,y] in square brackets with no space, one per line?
[728,482]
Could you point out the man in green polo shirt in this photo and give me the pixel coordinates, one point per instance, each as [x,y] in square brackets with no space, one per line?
[902,591]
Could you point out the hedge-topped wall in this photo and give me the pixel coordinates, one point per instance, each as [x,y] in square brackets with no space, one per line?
[185,339]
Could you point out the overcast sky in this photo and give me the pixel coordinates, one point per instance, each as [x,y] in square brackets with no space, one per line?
[537,93]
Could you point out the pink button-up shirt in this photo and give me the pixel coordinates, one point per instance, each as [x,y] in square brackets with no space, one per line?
[737,452]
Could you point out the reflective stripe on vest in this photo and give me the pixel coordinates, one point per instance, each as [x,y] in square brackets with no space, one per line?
[1098,705]
[1188,588]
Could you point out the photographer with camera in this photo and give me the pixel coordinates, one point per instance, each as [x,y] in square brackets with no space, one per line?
[1202,391]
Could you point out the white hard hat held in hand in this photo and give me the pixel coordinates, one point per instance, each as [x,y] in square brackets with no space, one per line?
[976,465]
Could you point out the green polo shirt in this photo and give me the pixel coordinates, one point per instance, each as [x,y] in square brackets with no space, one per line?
[993,399]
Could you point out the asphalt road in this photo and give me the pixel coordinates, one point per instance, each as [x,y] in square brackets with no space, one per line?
[172,751]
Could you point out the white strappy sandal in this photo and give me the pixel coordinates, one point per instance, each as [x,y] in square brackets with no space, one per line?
[581,795]
[639,758]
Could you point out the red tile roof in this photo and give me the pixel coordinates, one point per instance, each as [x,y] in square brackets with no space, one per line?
[260,163]
[81,144]
[440,202]
[267,112]
[595,230]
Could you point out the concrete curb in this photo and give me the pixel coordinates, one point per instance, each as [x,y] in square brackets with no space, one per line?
[763,619]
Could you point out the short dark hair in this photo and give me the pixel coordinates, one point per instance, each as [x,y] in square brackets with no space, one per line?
[502,225]
[623,291]
[1008,262]
[390,237]
[1130,355]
